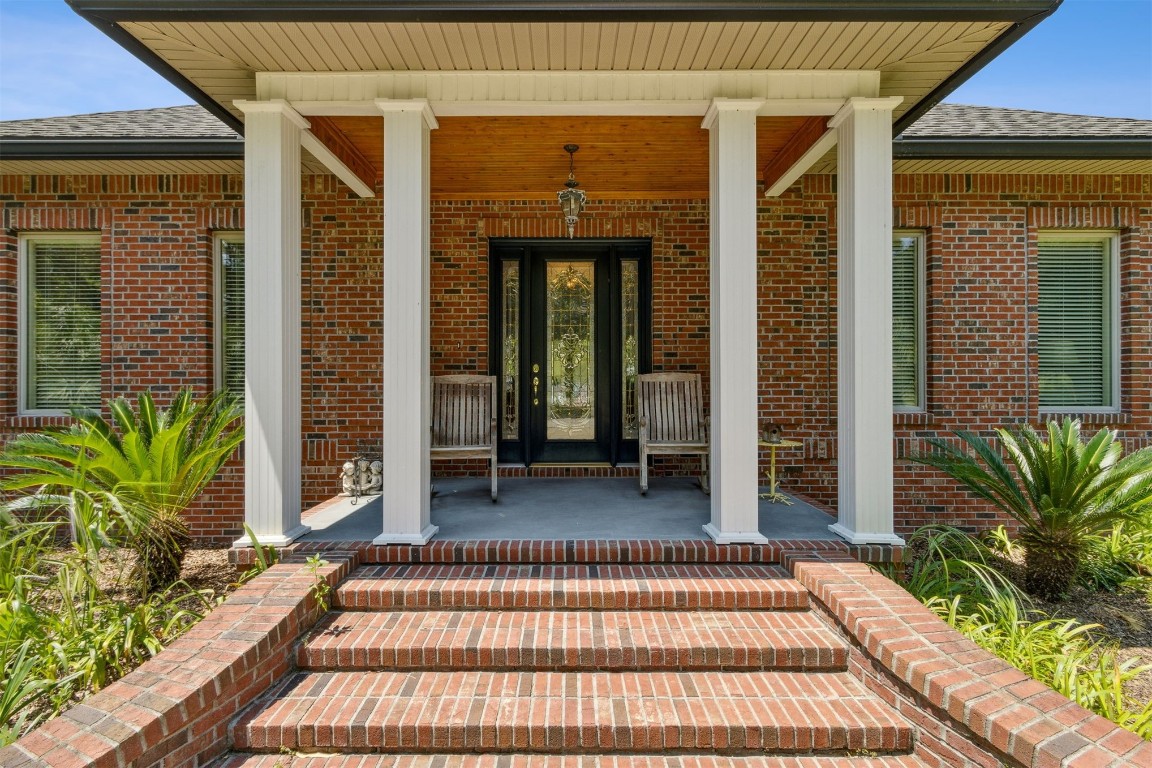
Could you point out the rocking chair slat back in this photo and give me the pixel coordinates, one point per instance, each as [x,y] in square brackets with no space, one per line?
[671,411]
[464,419]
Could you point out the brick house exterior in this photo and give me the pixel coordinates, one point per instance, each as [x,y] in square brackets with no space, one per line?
[981,228]
[757,188]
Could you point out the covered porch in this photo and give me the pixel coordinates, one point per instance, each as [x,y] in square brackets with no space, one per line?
[542,509]
[757,128]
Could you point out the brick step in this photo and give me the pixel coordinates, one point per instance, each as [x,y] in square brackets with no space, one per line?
[571,587]
[557,712]
[582,551]
[573,761]
[573,640]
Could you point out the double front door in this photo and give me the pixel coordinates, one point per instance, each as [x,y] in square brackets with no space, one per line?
[570,331]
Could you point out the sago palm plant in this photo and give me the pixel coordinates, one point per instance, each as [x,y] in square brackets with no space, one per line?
[1061,491]
[154,462]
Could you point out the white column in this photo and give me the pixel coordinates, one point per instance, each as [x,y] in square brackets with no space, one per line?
[406,495]
[272,331]
[864,316]
[731,125]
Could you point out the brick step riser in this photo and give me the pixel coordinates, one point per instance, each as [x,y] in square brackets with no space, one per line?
[573,641]
[357,599]
[603,739]
[813,659]
[572,761]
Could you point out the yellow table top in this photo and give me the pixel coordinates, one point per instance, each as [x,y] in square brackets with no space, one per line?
[780,444]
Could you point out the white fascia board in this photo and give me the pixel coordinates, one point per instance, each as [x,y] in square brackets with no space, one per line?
[648,108]
[482,93]
[806,161]
[333,163]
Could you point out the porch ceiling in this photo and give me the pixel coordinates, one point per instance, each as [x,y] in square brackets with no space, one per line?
[522,157]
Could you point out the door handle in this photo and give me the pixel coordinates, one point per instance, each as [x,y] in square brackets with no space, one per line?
[535,389]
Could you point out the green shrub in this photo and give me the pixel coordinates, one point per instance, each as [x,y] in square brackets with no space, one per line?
[147,464]
[1061,492]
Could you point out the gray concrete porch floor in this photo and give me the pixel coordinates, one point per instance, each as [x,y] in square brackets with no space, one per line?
[566,508]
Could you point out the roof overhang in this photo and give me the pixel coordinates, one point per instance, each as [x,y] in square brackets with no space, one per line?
[1060,148]
[212,49]
[122,149]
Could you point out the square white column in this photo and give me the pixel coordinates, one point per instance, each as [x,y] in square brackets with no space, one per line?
[272,132]
[731,125]
[406,495]
[864,316]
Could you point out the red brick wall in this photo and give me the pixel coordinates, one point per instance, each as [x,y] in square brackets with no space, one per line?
[981,233]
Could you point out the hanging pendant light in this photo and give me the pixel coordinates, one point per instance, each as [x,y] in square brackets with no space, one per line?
[571,199]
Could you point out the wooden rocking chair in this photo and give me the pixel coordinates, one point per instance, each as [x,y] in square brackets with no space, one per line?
[671,409]
[464,419]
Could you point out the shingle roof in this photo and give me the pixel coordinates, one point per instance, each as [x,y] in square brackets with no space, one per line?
[944,120]
[960,121]
[187,122]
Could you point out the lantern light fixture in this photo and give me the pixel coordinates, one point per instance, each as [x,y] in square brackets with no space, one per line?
[572,200]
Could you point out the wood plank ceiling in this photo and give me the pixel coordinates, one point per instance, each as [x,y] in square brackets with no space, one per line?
[523,157]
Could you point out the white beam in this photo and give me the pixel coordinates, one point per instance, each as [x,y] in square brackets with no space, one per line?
[811,92]
[731,127]
[272,334]
[822,146]
[574,108]
[864,288]
[406,495]
[333,163]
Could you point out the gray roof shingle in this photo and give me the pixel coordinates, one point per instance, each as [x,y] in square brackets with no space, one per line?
[944,121]
[187,122]
[960,121]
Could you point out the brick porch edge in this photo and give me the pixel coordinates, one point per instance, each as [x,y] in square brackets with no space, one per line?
[174,710]
[957,694]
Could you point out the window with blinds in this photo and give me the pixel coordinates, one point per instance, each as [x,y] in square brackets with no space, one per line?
[230,312]
[1077,343]
[908,321]
[60,322]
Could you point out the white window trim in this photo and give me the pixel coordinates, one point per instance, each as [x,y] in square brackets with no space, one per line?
[921,284]
[219,239]
[23,350]
[1112,237]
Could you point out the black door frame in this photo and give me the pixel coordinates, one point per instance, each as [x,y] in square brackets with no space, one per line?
[531,446]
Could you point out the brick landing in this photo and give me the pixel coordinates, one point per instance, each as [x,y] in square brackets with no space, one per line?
[687,662]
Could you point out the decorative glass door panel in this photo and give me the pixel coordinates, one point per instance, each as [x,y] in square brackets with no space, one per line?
[570,331]
[570,337]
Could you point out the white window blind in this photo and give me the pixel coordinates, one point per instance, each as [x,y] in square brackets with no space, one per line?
[907,321]
[1076,318]
[61,322]
[230,338]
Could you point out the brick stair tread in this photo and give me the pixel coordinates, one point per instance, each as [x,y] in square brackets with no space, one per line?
[588,587]
[566,711]
[573,761]
[573,640]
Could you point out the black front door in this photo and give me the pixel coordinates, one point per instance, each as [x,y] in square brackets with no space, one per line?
[570,332]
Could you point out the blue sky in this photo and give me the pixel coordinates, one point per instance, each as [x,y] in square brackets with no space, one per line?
[1091,57]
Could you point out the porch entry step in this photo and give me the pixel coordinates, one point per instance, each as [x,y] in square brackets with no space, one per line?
[584,552]
[573,640]
[571,587]
[573,761]
[594,469]
[558,712]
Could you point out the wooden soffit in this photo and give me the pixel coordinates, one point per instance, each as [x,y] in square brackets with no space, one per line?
[523,157]
[222,58]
